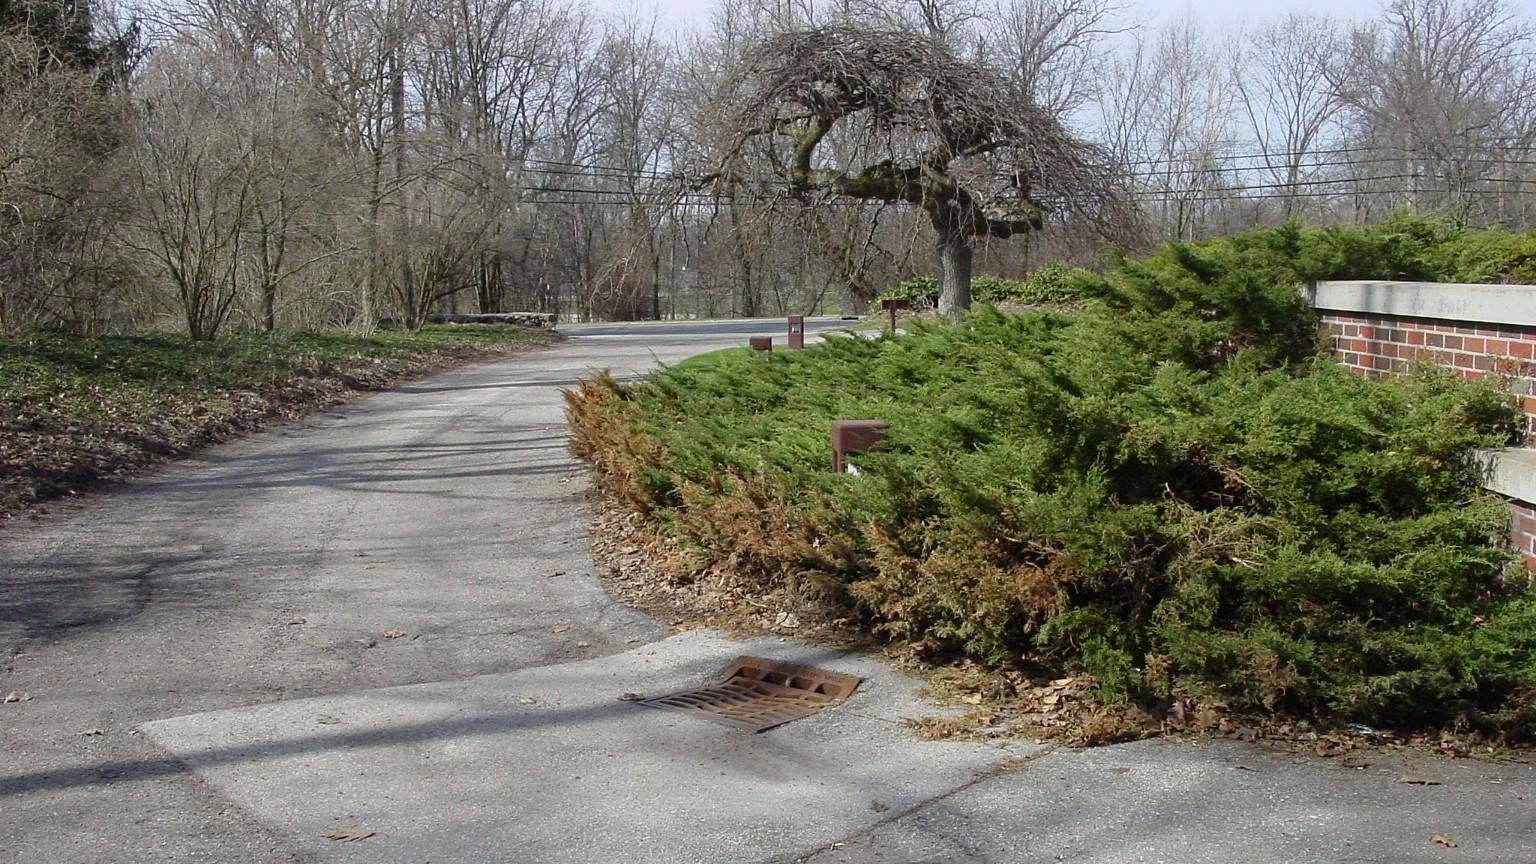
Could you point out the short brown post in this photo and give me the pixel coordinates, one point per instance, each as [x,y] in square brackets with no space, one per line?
[797,331]
[850,437]
[892,306]
[760,343]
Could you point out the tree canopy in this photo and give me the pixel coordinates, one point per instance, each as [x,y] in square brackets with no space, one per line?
[916,123]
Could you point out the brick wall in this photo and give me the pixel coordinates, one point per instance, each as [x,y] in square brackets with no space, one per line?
[1522,531]
[1374,345]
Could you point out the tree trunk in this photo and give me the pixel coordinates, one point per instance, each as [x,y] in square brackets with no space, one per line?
[954,274]
[269,305]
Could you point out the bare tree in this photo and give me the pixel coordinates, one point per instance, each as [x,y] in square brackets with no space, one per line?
[1281,75]
[1055,47]
[1187,126]
[195,198]
[1439,85]
[945,20]
[959,140]
[61,125]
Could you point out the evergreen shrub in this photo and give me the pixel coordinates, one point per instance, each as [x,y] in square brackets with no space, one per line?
[1168,488]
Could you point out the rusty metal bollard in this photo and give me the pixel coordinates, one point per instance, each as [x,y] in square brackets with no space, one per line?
[797,331]
[892,306]
[850,437]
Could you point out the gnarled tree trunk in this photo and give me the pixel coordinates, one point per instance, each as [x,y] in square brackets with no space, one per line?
[954,273]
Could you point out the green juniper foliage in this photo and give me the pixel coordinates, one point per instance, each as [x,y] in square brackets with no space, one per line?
[1168,488]
[1409,246]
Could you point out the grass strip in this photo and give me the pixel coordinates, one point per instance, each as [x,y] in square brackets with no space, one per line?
[77,411]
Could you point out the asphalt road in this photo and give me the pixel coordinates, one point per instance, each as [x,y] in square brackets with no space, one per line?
[279,567]
[385,618]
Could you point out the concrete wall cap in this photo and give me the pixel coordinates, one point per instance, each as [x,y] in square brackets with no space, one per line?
[1511,472]
[1507,305]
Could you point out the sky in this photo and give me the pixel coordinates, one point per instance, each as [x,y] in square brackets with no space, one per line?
[678,13]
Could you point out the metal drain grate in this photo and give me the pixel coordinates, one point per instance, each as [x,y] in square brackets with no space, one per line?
[757,694]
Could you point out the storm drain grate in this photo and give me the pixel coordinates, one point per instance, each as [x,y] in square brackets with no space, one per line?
[757,694]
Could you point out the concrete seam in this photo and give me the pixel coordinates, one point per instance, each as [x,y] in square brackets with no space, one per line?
[1007,766]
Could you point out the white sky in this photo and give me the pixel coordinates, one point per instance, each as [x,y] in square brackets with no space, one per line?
[1220,13]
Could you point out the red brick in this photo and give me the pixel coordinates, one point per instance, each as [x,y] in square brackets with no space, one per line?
[1453,343]
[1496,346]
[1416,337]
[1522,349]
[1476,346]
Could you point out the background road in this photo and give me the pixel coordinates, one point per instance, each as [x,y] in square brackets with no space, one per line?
[279,566]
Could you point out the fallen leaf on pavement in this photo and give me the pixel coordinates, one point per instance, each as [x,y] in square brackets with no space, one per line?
[393,634]
[1245,768]
[348,835]
[559,628]
[90,733]
[1418,781]
[327,720]
[296,622]
[878,807]
[583,644]
[16,696]
[1443,841]
[528,700]
[630,697]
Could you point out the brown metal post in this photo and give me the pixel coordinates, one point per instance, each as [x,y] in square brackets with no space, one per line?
[797,331]
[850,437]
[760,343]
[892,306]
